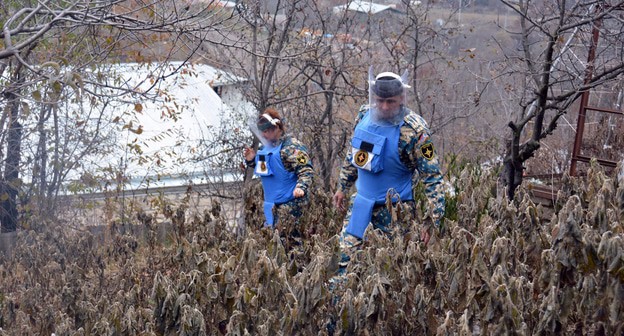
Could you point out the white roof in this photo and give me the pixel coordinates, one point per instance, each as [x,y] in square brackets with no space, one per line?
[362,7]
[175,145]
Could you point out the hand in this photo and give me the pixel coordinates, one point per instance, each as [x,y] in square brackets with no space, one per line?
[298,192]
[339,200]
[425,235]
[249,154]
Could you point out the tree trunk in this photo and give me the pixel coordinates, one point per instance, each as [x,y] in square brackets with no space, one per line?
[512,175]
[517,154]
[511,178]
[513,164]
[10,181]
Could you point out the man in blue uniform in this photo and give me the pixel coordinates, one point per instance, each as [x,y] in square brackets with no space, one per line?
[390,144]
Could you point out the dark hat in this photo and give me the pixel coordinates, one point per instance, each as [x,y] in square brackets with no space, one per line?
[387,84]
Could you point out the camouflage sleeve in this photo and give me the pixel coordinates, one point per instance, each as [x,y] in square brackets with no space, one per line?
[250,163]
[417,152]
[296,159]
[348,172]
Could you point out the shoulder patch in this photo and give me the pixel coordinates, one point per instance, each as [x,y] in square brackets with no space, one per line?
[427,150]
[302,158]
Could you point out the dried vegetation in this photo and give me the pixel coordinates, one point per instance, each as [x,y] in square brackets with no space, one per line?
[500,269]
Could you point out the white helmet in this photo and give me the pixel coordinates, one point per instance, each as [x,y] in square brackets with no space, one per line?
[262,123]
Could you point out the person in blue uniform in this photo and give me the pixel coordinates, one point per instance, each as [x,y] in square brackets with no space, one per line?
[284,167]
[390,144]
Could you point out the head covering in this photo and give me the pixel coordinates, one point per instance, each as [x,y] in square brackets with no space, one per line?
[384,86]
[266,122]
[387,84]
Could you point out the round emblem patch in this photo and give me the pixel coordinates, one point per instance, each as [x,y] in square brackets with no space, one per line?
[263,166]
[361,157]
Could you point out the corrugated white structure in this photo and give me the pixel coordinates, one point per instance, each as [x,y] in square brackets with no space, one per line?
[176,137]
[361,6]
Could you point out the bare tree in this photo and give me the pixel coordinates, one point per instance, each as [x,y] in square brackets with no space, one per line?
[316,66]
[332,85]
[554,40]
[55,53]
[300,58]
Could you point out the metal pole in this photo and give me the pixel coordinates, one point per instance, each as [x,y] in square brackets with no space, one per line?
[580,123]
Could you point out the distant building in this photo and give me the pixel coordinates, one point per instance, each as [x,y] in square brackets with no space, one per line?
[177,133]
[367,8]
[367,14]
